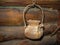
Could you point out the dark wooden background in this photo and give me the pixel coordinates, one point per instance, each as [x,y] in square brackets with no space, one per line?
[50,4]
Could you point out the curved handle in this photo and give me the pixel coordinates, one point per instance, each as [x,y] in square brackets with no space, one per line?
[27,8]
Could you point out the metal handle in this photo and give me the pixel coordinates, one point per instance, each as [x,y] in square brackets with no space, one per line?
[32,6]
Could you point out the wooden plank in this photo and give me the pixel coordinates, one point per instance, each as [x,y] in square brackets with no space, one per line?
[11,32]
[14,16]
[58,37]
[46,40]
[52,4]
[17,32]
[30,1]
[58,33]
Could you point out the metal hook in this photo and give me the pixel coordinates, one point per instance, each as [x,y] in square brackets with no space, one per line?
[34,1]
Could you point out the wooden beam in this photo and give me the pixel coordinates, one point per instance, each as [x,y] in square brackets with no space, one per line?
[14,16]
[52,4]
[17,32]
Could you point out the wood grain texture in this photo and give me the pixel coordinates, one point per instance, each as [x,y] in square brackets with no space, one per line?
[17,32]
[58,33]
[45,3]
[47,40]
[14,16]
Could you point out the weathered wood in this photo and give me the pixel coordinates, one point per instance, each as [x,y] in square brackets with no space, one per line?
[46,41]
[14,16]
[17,32]
[58,33]
[51,4]
[25,2]
[58,37]
[11,32]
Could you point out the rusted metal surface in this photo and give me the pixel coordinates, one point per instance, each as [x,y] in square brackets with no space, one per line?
[37,31]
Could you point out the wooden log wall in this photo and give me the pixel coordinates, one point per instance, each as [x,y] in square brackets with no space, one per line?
[14,16]
[58,33]
[50,4]
[45,3]
[11,20]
